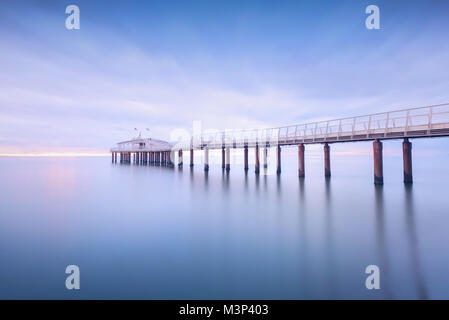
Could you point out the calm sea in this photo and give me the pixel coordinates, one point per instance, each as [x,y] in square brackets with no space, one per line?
[147,232]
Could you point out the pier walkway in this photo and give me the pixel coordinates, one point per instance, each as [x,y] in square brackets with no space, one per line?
[422,122]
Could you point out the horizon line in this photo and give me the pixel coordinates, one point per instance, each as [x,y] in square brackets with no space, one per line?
[55,154]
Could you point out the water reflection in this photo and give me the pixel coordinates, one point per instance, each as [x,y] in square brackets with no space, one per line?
[382,241]
[225,181]
[330,242]
[413,243]
[308,237]
[303,252]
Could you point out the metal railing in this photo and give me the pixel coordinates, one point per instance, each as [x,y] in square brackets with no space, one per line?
[413,122]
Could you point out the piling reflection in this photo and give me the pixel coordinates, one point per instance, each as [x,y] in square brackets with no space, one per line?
[278,185]
[257,183]
[246,182]
[303,252]
[413,243]
[225,181]
[330,242]
[278,188]
[381,241]
[206,180]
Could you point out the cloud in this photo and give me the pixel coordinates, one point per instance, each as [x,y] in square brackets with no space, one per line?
[88,90]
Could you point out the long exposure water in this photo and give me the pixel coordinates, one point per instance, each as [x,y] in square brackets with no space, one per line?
[147,232]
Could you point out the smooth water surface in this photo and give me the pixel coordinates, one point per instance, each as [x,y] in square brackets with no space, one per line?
[150,232]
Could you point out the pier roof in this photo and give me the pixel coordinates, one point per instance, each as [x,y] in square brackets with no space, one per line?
[142,144]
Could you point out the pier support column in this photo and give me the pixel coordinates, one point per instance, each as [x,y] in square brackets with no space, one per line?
[191,157]
[171,158]
[407,157]
[327,161]
[301,164]
[180,158]
[378,166]
[223,157]
[278,159]
[245,157]
[265,156]
[257,163]
[112,157]
[206,159]
[228,159]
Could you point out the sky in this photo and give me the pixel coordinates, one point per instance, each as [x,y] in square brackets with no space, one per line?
[230,64]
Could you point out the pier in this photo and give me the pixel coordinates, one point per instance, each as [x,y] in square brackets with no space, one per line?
[405,124]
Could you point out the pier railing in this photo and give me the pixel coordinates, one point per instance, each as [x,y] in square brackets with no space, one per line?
[413,122]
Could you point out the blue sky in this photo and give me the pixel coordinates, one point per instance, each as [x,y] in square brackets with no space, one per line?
[230,64]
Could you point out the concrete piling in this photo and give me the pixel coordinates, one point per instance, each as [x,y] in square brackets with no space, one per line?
[327,160]
[301,164]
[228,159]
[378,165]
[257,163]
[206,159]
[278,159]
[245,157]
[180,158]
[265,157]
[407,160]
[191,157]
[223,157]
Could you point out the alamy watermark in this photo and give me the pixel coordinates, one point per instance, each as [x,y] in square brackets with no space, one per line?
[373,20]
[373,280]
[72,22]
[72,282]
